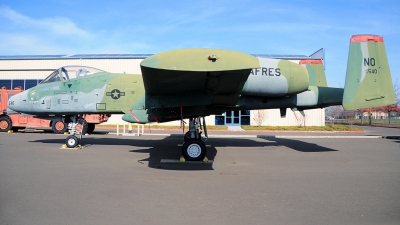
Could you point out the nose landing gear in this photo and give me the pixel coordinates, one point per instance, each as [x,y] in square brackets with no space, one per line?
[194,148]
[72,141]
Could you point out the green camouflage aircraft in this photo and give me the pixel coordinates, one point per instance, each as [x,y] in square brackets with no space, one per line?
[194,83]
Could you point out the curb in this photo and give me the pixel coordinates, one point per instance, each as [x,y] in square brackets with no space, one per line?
[276,136]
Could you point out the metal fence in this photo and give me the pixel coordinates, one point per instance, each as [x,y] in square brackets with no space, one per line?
[393,122]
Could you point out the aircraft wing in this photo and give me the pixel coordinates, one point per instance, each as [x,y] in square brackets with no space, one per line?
[219,74]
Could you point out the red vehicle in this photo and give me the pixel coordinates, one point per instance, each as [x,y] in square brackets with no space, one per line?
[18,121]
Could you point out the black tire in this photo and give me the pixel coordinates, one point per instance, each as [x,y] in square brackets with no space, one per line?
[72,141]
[82,126]
[194,150]
[59,127]
[5,123]
[91,127]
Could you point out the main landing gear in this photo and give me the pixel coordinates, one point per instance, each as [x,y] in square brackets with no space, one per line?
[72,141]
[194,148]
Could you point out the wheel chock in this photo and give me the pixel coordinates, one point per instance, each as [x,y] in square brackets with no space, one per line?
[205,159]
[64,146]
[10,131]
[182,159]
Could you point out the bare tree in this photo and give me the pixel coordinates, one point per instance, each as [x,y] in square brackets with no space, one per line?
[397,91]
[259,116]
[334,112]
[350,116]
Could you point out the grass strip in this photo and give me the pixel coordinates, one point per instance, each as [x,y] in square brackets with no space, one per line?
[337,127]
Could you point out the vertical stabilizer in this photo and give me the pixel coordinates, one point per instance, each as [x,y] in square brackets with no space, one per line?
[316,72]
[368,80]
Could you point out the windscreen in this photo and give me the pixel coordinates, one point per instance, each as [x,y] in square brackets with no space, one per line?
[70,72]
[53,77]
[81,71]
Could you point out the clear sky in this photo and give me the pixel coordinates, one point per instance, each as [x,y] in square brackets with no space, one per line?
[152,26]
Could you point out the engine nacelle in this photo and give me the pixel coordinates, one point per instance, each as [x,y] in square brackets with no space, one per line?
[276,77]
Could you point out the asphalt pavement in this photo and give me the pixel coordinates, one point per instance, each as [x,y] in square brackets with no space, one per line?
[265,179]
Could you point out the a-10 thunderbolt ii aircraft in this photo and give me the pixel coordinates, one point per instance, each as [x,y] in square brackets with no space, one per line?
[194,83]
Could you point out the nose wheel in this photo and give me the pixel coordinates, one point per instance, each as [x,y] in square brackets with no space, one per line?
[72,141]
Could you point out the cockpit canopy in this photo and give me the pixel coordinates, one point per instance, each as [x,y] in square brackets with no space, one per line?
[69,72]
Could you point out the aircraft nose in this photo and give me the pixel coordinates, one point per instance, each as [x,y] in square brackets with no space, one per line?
[15,102]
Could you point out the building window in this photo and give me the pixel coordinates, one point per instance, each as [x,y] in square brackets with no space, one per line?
[18,83]
[233,118]
[30,84]
[25,84]
[220,119]
[245,117]
[5,83]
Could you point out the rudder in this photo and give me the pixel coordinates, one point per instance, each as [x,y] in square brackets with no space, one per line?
[368,80]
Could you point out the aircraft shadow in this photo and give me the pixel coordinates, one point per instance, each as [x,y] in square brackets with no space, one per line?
[301,146]
[395,141]
[50,131]
[170,148]
[296,145]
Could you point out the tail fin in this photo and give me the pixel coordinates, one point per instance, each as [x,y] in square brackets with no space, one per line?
[368,80]
[316,72]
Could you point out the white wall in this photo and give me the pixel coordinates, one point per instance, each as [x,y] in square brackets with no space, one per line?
[116,119]
[313,117]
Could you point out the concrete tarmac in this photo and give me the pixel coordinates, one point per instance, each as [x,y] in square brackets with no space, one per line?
[120,180]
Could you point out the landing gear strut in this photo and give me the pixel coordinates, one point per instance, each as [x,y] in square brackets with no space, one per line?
[194,148]
[72,141]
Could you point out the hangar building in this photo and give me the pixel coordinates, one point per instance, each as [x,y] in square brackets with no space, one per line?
[28,70]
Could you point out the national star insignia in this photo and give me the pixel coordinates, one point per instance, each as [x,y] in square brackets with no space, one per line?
[115,94]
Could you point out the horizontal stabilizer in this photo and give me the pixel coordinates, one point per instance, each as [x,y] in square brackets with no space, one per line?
[320,54]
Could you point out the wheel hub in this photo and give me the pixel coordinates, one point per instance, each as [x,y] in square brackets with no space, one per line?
[59,125]
[78,127]
[71,141]
[194,150]
[3,124]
